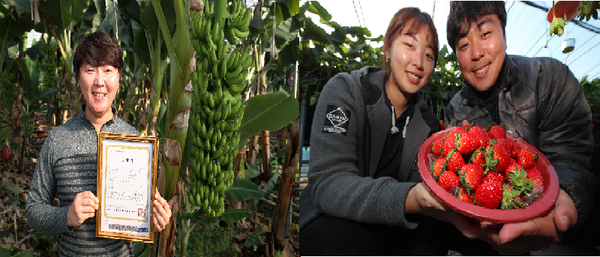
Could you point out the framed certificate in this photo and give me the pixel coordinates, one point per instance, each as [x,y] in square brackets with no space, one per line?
[127,166]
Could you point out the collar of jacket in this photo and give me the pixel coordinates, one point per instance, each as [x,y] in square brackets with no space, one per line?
[108,122]
[371,81]
[508,74]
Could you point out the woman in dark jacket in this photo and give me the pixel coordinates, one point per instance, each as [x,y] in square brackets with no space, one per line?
[365,195]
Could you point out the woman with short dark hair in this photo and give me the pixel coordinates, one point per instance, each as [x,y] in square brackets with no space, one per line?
[66,167]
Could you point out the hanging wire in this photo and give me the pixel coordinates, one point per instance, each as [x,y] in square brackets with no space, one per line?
[511,5]
[548,38]
[595,75]
[538,40]
[584,52]
[523,30]
[361,13]
[558,50]
[544,46]
[356,11]
[580,48]
[516,19]
[591,69]
[577,36]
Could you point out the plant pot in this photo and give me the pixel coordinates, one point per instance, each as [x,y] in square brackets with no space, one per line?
[564,9]
[567,45]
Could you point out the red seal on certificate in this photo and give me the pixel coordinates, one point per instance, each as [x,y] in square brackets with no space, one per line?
[141,213]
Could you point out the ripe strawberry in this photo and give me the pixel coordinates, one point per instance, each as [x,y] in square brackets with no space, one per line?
[480,134]
[437,146]
[492,176]
[489,194]
[534,174]
[526,158]
[470,176]
[438,166]
[441,126]
[464,196]
[517,178]
[478,157]
[512,168]
[455,161]
[511,161]
[516,148]
[448,180]
[456,130]
[506,144]
[511,198]
[447,146]
[495,157]
[497,131]
[466,143]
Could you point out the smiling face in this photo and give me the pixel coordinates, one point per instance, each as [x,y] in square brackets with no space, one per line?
[412,61]
[481,52]
[99,86]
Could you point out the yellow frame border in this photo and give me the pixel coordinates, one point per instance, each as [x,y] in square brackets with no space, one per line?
[100,192]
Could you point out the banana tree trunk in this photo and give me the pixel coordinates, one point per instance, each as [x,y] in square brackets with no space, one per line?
[17,114]
[253,149]
[158,68]
[239,160]
[290,167]
[265,147]
[178,108]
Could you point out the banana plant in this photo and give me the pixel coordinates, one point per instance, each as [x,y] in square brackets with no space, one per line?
[274,30]
[15,20]
[320,51]
[169,15]
[178,105]
[151,60]
[61,19]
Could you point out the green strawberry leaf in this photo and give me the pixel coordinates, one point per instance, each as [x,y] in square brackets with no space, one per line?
[518,180]
[510,200]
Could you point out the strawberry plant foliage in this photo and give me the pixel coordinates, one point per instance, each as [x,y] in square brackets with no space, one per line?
[588,10]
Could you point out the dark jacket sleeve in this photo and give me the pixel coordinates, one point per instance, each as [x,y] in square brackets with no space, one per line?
[41,215]
[338,187]
[565,134]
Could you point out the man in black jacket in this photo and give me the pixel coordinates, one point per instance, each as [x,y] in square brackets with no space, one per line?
[539,100]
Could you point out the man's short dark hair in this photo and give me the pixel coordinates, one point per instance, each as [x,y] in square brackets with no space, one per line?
[97,49]
[467,12]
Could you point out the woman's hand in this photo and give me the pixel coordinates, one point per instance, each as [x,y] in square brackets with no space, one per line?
[420,201]
[84,206]
[161,212]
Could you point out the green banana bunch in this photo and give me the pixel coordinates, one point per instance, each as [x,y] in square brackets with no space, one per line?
[237,22]
[49,65]
[217,107]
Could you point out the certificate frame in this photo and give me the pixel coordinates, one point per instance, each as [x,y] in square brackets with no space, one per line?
[117,221]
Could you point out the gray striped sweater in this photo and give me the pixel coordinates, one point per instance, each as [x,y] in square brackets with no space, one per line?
[66,167]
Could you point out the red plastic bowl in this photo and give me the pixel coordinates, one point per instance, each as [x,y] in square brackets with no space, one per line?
[544,204]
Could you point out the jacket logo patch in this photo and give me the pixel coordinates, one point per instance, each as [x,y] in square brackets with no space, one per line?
[336,120]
